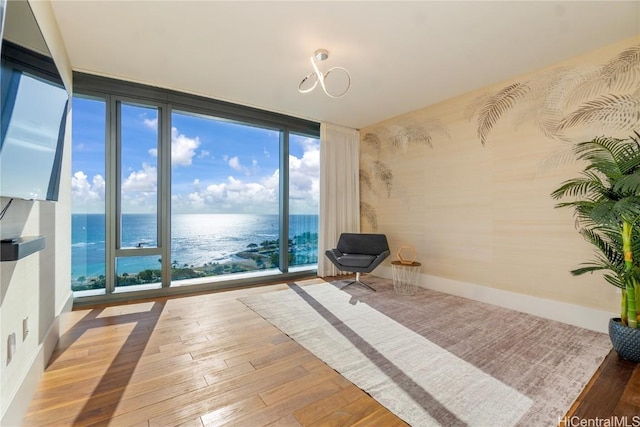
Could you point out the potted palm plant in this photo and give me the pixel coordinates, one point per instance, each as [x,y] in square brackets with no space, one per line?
[606,203]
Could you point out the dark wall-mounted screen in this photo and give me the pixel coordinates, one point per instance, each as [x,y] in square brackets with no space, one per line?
[33,107]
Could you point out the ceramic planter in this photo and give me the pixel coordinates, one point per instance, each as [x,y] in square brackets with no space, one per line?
[625,340]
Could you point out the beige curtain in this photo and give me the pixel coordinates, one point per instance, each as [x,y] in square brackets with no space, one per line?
[339,189]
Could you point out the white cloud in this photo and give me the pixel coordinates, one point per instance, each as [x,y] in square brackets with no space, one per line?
[196,200]
[83,190]
[234,163]
[151,123]
[232,196]
[89,195]
[304,179]
[183,148]
[258,195]
[309,144]
[139,191]
[144,180]
[303,173]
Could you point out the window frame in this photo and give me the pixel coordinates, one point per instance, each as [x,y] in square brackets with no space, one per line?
[115,93]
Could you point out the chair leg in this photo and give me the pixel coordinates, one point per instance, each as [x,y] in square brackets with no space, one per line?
[358,281]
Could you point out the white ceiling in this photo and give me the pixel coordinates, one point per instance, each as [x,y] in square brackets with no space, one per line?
[401,55]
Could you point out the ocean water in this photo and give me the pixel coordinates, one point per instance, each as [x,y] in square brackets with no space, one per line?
[196,239]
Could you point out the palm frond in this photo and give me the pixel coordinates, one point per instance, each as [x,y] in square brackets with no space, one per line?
[609,156]
[399,136]
[614,111]
[496,106]
[435,126]
[586,85]
[628,184]
[605,212]
[547,120]
[472,109]
[607,196]
[627,208]
[544,117]
[418,134]
[611,249]
[369,213]
[614,276]
[589,268]
[365,179]
[561,156]
[372,140]
[588,184]
[384,174]
[622,71]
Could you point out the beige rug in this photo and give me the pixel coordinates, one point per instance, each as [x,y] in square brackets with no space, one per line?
[435,359]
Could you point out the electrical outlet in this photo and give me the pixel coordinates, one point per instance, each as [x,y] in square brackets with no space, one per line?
[11,347]
[25,328]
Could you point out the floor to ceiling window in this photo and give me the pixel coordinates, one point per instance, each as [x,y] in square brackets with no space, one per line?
[187,191]
[224,197]
[88,229]
[138,259]
[304,193]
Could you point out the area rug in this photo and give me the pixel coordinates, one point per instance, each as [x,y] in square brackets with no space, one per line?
[435,359]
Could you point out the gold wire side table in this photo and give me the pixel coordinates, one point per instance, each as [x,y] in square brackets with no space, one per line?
[405,277]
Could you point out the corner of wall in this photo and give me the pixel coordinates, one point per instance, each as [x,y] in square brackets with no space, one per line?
[19,403]
[43,13]
[36,288]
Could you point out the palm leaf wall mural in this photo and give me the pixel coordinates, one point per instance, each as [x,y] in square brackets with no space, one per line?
[621,112]
[383,174]
[623,70]
[372,140]
[585,85]
[375,173]
[602,96]
[496,106]
[401,136]
[545,102]
[365,181]
[369,213]
[419,134]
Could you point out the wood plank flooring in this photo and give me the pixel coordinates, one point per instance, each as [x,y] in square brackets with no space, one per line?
[612,394]
[204,360]
[207,360]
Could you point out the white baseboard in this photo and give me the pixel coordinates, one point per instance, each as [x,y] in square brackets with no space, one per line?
[572,314]
[14,414]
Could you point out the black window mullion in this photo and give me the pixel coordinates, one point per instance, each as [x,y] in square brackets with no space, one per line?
[284,200]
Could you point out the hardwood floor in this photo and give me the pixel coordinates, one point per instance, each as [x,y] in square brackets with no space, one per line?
[208,360]
[612,394]
[192,361]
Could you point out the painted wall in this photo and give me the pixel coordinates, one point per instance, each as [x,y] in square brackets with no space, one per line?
[36,287]
[467,181]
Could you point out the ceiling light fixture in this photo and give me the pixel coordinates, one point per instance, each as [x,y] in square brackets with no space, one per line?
[311,81]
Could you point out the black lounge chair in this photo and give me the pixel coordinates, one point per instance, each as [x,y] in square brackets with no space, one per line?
[359,253]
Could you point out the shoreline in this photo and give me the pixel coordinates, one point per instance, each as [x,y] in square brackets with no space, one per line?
[303,251]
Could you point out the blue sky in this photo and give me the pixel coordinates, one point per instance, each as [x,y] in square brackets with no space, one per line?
[217,166]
